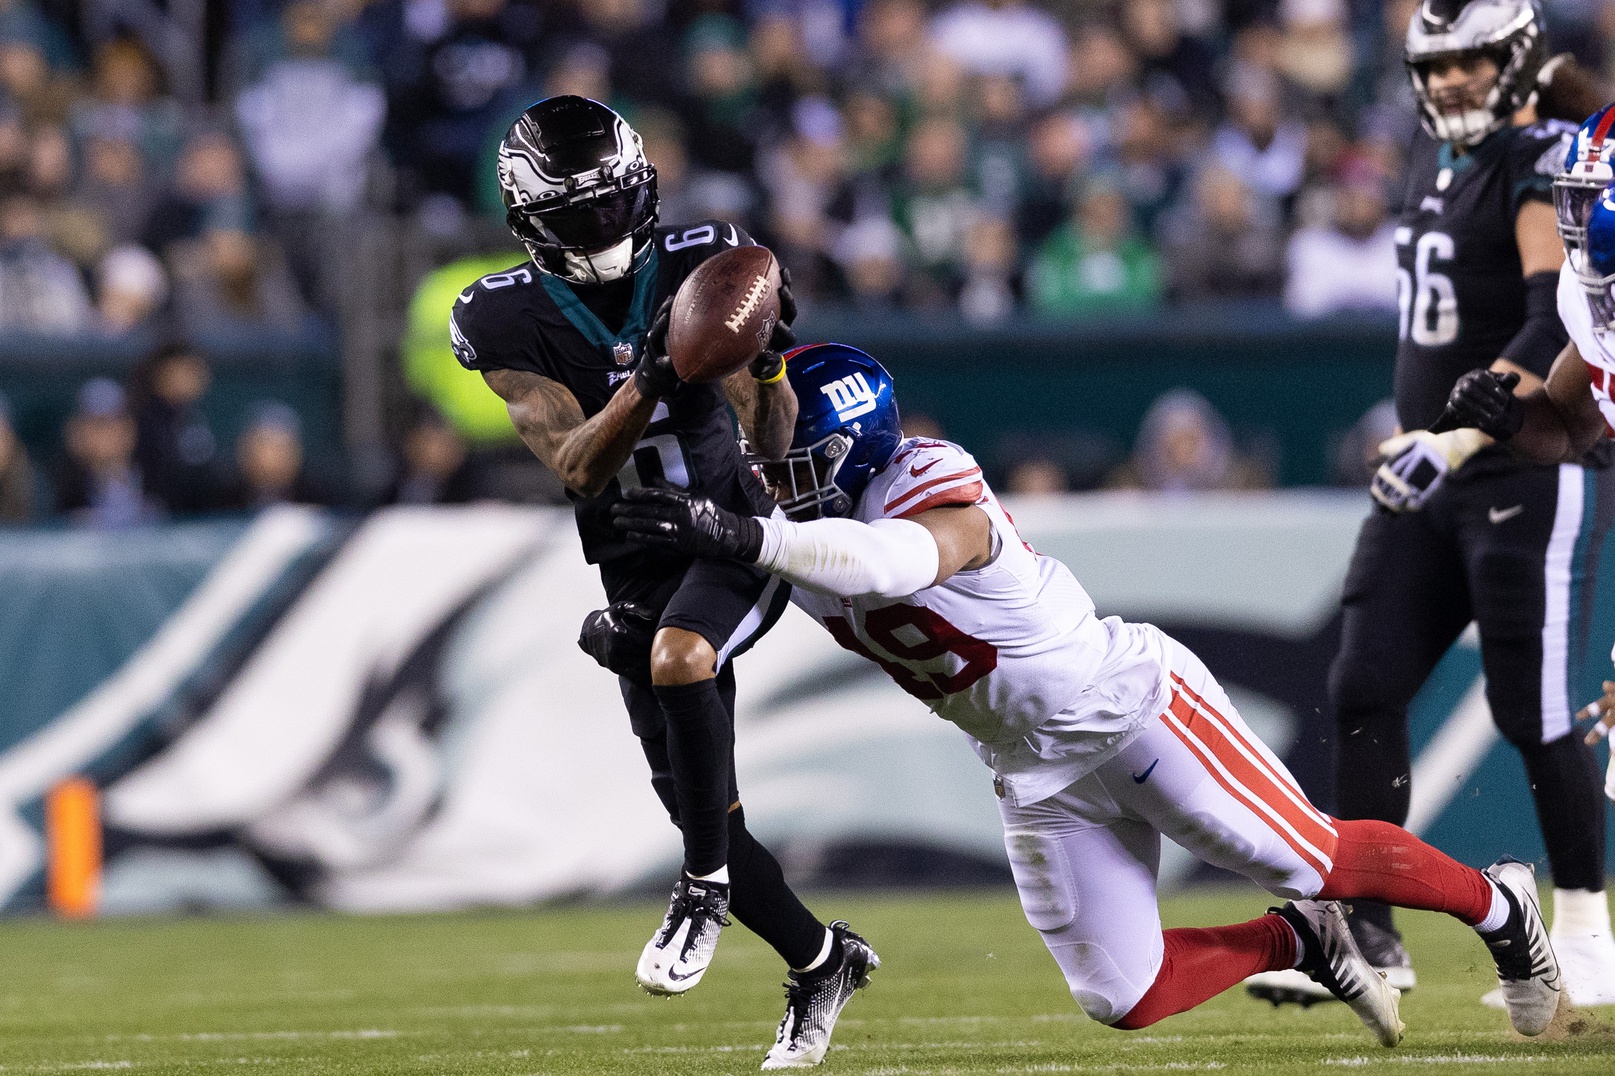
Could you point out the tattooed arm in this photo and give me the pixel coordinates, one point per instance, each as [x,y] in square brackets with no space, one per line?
[767,412]
[584,454]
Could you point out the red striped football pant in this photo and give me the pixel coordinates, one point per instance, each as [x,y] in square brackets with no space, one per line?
[1086,859]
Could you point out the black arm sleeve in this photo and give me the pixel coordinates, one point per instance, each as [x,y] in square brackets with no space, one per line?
[1543,336]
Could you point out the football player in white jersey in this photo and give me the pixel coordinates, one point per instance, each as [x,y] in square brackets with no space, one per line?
[1560,422]
[1102,735]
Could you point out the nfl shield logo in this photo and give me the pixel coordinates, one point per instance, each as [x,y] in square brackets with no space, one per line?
[623,352]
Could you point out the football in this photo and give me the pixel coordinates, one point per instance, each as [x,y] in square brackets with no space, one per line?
[723,314]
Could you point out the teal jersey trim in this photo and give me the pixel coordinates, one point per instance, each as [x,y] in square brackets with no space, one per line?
[593,329]
[1458,162]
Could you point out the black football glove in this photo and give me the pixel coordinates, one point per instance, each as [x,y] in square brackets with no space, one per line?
[787,307]
[670,519]
[619,638]
[769,367]
[1485,400]
[655,377]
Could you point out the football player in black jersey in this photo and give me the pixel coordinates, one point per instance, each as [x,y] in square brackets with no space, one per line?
[1501,541]
[574,341]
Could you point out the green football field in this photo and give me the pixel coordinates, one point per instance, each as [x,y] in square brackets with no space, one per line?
[966,987]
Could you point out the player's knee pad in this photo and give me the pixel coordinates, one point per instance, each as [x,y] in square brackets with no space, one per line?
[1099,987]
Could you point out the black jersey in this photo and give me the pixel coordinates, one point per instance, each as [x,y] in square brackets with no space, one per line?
[523,319]
[1459,288]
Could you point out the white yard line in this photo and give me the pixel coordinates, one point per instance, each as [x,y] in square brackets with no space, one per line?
[1441,1059]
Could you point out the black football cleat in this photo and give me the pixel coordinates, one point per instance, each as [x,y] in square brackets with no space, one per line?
[812,1003]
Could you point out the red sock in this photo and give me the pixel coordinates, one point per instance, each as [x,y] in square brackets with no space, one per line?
[1201,963]
[1379,861]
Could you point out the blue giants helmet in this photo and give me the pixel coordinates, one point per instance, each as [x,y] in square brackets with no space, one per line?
[1580,185]
[846,430]
[1596,271]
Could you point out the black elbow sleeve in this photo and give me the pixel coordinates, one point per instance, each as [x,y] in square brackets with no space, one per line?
[1543,336]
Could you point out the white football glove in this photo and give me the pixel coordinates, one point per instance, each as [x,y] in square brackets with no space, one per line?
[1416,462]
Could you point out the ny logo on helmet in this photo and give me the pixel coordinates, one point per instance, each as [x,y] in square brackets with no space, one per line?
[851,396]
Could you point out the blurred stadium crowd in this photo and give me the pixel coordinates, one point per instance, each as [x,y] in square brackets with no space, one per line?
[1070,159]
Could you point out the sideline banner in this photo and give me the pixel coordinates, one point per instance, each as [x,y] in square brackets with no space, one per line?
[393,714]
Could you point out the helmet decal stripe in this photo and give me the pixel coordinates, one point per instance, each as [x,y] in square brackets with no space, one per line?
[1596,147]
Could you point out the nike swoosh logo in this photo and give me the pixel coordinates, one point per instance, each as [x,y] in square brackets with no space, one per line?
[468,294]
[734,237]
[1499,515]
[1140,778]
[917,471]
[676,977]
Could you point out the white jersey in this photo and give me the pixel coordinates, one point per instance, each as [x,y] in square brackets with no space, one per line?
[1594,347]
[1595,352]
[1010,652]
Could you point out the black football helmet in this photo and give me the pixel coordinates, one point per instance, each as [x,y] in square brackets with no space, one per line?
[578,191]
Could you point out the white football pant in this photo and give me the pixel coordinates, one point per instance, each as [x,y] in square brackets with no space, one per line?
[1085,859]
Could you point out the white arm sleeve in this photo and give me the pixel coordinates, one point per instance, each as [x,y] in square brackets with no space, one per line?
[890,557]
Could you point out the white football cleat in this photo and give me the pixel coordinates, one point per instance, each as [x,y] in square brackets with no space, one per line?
[812,1004]
[678,954]
[1527,971]
[1331,957]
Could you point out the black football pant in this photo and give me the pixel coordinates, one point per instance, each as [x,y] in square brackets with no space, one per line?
[1516,552]
[688,731]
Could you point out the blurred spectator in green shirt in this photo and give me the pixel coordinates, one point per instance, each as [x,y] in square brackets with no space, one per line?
[429,363]
[1094,263]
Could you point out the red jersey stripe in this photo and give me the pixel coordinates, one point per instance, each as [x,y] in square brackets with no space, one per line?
[958,495]
[932,484]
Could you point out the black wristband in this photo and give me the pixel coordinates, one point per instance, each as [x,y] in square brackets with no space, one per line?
[768,367]
[749,532]
[655,377]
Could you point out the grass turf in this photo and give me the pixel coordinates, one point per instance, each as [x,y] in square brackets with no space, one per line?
[966,987]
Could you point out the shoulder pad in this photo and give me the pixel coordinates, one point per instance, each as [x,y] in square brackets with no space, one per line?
[931,474]
[1544,146]
[480,318]
[516,274]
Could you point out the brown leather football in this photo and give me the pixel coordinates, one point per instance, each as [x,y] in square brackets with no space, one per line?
[723,314]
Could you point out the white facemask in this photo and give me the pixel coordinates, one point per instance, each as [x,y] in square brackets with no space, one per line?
[613,263]
[1466,128]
